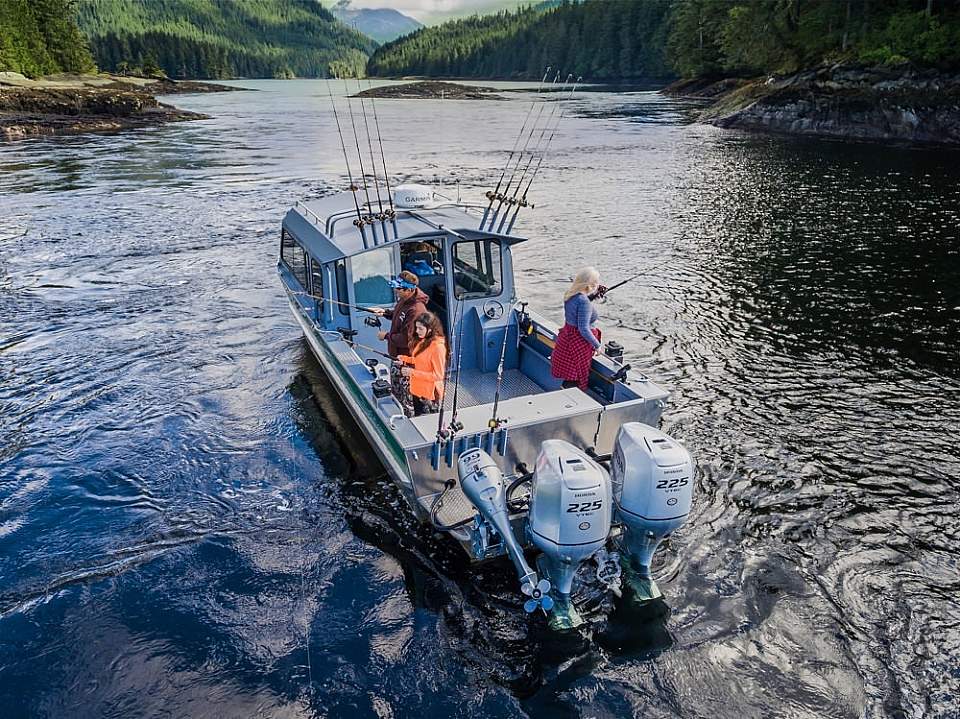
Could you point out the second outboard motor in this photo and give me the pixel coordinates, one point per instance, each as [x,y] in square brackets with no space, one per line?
[482,483]
[652,478]
[570,515]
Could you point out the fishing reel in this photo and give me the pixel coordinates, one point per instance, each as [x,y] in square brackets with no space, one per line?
[524,322]
[372,321]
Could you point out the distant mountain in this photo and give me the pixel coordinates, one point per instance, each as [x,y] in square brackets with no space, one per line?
[382,24]
[219,39]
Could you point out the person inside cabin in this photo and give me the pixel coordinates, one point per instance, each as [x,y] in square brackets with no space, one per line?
[411,303]
[426,364]
[421,260]
[578,339]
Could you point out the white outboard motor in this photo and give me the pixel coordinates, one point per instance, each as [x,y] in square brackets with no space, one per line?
[570,516]
[482,483]
[652,478]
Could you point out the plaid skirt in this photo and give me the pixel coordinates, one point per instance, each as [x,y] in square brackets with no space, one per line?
[572,356]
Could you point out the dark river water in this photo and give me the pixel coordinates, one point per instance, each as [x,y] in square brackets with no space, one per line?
[189,526]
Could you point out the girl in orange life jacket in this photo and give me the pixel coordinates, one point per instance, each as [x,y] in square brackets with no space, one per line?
[427,363]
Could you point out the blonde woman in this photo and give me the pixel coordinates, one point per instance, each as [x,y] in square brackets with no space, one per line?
[578,339]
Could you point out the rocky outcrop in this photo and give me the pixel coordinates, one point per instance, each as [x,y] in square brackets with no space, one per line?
[27,112]
[72,104]
[888,104]
[431,90]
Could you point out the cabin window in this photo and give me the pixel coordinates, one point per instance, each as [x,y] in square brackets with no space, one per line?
[340,270]
[316,279]
[371,277]
[293,257]
[477,269]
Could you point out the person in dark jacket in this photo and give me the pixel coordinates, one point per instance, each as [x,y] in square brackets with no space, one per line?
[411,303]
[578,339]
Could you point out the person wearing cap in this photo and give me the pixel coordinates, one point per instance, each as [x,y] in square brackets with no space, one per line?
[411,303]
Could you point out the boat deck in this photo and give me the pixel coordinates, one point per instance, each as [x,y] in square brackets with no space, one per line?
[478,387]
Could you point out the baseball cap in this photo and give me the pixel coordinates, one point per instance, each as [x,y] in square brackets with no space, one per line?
[401,281]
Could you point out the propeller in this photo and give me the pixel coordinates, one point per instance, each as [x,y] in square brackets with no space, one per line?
[539,596]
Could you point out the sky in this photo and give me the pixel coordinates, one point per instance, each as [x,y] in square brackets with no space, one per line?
[431,12]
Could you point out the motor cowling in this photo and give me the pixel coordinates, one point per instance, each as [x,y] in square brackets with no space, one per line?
[652,477]
[570,510]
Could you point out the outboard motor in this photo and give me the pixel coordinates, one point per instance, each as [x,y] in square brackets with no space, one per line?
[482,483]
[652,478]
[570,514]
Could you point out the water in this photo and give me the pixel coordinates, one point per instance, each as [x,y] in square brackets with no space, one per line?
[190,527]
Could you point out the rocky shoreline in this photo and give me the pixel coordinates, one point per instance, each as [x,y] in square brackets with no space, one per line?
[881,104]
[75,104]
[431,90]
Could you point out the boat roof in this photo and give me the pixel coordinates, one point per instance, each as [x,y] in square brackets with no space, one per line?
[326,226]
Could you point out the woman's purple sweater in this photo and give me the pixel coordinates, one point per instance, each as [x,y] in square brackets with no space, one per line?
[579,312]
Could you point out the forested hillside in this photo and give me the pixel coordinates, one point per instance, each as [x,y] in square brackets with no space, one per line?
[630,39]
[40,37]
[222,38]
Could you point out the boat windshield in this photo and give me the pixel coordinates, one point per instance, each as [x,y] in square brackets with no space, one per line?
[477,268]
[371,277]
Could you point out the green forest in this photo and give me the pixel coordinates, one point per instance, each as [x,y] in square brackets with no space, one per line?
[39,37]
[634,39]
[217,39]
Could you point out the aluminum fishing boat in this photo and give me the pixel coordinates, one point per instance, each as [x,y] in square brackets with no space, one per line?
[512,462]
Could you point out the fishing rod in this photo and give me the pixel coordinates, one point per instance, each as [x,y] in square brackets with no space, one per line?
[495,421]
[373,163]
[353,187]
[526,144]
[356,137]
[610,289]
[368,348]
[493,195]
[504,198]
[383,161]
[513,200]
[442,432]
[455,426]
[319,298]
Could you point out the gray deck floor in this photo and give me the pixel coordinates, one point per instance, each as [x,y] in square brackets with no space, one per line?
[480,387]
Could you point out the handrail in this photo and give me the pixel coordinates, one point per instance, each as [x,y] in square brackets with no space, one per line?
[306,210]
